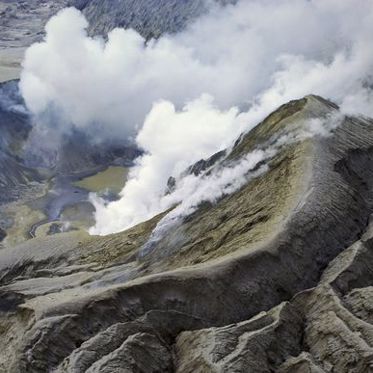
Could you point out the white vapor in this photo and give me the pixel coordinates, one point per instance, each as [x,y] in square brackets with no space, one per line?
[172,141]
[145,195]
[227,177]
[254,56]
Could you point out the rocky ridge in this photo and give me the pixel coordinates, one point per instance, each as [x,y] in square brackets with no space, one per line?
[274,277]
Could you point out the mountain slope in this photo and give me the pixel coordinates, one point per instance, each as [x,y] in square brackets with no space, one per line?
[247,284]
[151,18]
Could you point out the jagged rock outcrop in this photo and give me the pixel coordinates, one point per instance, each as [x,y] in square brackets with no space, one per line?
[276,276]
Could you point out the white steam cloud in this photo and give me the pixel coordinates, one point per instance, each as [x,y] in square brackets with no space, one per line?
[145,195]
[254,56]
[172,141]
[226,177]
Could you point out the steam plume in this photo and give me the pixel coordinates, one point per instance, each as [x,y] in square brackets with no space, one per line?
[253,56]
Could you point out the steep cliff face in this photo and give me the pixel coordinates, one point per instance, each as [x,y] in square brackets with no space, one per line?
[273,277]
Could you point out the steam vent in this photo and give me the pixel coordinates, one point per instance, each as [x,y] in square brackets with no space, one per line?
[219,221]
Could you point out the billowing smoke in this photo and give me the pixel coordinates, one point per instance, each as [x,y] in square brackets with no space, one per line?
[173,141]
[227,177]
[145,194]
[253,56]
[256,51]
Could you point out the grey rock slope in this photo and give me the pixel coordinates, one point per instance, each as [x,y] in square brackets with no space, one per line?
[274,277]
[151,18]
